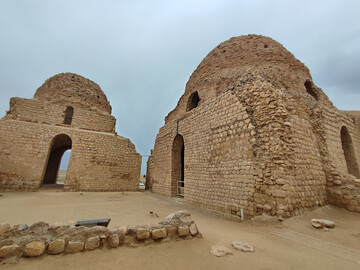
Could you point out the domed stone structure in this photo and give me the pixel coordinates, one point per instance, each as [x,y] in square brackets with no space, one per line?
[74,89]
[253,132]
[67,112]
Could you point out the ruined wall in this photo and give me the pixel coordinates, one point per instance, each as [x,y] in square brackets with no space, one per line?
[262,138]
[44,112]
[100,160]
[42,238]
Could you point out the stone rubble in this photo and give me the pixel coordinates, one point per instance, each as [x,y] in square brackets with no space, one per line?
[42,238]
[220,251]
[322,223]
[243,246]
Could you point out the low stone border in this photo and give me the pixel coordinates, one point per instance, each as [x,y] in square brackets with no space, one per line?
[42,238]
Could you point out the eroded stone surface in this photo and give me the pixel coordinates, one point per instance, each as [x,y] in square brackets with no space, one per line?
[92,243]
[158,233]
[75,246]
[243,246]
[34,249]
[183,230]
[4,227]
[322,223]
[56,247]
[8,251]
[220,251]
[113,240]
[142,233]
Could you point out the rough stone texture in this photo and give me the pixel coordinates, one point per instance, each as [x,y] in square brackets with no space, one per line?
[243,246]
[158,233]
[142,233]
[74,247]
[261,137]
[322,223]
[4,227]
[113,240]
[15,242]
[193,229]
[183,230]
[36,132]
[34,249]
[220,251]
[8,251]
[56,247]
[92,243]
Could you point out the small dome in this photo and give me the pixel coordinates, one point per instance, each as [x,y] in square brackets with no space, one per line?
[73,89]
[225,64]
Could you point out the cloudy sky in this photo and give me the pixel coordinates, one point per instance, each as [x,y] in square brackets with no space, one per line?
[142,53]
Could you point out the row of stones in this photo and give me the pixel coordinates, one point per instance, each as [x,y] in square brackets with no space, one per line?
[41,238]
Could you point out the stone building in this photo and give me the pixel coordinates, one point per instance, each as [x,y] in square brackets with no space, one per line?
[67,112]
[253,132]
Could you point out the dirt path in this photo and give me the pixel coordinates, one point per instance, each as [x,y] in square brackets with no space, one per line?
[294,244]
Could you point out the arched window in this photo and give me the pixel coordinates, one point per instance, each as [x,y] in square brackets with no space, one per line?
[310,89]
[193,101]
[349,153]
[68,115]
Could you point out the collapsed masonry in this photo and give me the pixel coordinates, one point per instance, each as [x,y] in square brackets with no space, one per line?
[253,132]
[67,112]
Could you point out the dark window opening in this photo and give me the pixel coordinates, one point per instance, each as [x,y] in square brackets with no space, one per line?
[178,167]
[68,115]
[310,89]
[193,101]
[59,145]
[349,153]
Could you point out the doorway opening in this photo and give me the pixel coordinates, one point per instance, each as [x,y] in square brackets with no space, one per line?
[59,145]
[177,170]
[349,153]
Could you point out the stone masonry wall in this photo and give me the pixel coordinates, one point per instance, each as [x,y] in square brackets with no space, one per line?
[38,111]
[218,156]
[42,238]
[260,136]
[98,162]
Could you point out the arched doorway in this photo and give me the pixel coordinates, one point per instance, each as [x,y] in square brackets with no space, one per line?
[177,167]
[349,153]
[59,145]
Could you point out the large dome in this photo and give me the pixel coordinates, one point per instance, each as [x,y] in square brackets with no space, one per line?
[73,89]
[225,64]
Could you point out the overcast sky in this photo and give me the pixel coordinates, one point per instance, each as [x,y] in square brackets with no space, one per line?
[142,53]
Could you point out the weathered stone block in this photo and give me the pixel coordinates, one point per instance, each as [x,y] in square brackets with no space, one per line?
[92,243]
[75,246]
[158,233]
[193,229]
[142,233]
[34,249]
[113,240]
[4,227]
[183,230]
[56,247]
[8,251]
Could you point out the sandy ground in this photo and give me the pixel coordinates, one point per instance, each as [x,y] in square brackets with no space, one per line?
[293,244]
